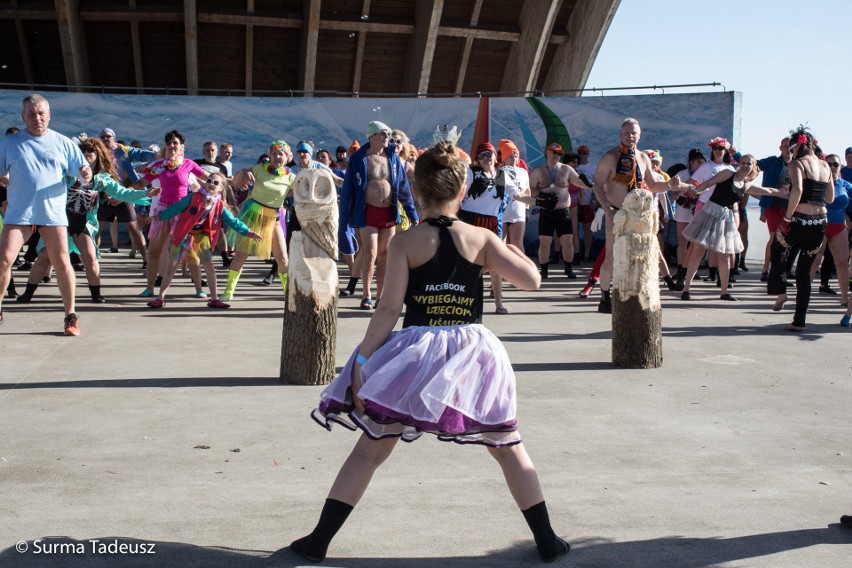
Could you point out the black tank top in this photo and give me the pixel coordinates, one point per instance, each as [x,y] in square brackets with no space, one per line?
[445,290]
[813,191]
[726,193]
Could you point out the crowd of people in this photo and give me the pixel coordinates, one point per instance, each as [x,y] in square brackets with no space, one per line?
[426,224]
[180,212]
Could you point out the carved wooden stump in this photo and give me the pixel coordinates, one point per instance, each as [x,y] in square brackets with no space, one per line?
[309,339]
[637,315]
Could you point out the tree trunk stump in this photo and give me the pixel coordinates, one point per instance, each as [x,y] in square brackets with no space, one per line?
[309,339]
[637,315]
[637,339]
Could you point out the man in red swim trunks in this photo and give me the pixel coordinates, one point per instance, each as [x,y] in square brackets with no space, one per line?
[375,183]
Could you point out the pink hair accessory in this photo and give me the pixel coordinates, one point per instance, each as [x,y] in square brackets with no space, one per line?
[719,141]
[803,139]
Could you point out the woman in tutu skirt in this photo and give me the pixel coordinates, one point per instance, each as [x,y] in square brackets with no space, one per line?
[443,373]
[271,182]
[715,228]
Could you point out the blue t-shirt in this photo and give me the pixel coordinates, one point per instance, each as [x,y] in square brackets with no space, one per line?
[37,167]
[837,208]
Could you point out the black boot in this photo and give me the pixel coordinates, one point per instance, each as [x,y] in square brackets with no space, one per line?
[544,268]
[350,288]
[712,276]
[681,277]
[315,546]
[569,271]
[672,284]
[273,271]
[605,306]
[28,293]
[735,271]
[96,295]
[10,289]
[550,547]
[226,259]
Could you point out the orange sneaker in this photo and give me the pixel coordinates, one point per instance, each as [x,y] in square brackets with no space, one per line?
[72,325]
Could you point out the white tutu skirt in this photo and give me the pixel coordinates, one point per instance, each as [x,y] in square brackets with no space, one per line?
[714,228]
[455,382]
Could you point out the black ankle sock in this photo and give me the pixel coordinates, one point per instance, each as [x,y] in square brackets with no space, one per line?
[549,545]
[95,291]
[28,293]
[315,545]
[10,289]
[352,283]
[569,268]
[544,270]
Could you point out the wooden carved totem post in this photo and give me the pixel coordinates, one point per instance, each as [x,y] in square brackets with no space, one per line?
[310,316]
[637,315]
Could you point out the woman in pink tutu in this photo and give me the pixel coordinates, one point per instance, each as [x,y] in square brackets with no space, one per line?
[443,373]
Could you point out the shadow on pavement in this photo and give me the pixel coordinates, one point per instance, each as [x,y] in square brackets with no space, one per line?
[671,552]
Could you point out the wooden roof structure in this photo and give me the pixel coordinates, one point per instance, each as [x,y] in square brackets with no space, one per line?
[303,47]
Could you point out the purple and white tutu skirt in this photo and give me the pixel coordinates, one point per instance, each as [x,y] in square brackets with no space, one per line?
[715,228]
[455,382]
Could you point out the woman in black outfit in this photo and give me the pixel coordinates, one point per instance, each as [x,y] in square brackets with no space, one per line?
[804,224]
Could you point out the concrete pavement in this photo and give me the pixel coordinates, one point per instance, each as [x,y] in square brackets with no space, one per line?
[170,428]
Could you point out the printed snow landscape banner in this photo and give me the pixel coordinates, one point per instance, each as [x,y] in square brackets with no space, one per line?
[671,123]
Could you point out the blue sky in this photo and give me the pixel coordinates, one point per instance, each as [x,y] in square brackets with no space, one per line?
[787,58]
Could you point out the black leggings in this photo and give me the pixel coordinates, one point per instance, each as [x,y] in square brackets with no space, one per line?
[806,232]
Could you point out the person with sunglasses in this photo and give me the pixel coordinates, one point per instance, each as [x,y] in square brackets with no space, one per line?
[489,190]
[114,211]
[82,211]
[835,248]
[373,188]
[201,216]
[714,227]
[721,158]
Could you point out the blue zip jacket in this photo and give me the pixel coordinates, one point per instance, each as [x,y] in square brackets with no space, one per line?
[352,202]
[772,168]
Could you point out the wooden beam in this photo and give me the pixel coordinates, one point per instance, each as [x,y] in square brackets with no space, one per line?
[190,26]
[574,59]
[422,48]
[73,43]
[468,44]
[23,48]
[130,16]
[359,50]
[524,64]
[308,51]
[249,49]
[136,44]
[26,14]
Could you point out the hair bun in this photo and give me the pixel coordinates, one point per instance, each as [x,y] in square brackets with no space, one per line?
[445,153]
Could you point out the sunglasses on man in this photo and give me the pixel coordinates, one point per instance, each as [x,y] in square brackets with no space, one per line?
[485,155]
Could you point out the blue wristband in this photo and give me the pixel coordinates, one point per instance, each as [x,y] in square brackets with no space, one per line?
[360,359]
